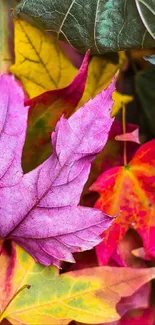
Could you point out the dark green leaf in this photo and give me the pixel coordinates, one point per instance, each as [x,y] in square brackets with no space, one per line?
[145,86]
[99,25]
[146,10]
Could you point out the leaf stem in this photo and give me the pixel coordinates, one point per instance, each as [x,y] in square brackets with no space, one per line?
[124,131]
[26,286]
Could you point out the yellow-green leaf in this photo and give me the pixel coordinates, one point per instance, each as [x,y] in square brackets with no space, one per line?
[31,293]
[40,63]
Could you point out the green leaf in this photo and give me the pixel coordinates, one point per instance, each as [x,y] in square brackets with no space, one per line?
[146,10]
[145,87]
[99,25]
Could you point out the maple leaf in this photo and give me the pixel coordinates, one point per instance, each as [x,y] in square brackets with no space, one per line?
[33,294]
[128,191]
[39,210]
[45,111]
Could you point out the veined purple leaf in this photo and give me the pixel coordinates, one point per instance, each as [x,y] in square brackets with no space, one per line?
[39,210]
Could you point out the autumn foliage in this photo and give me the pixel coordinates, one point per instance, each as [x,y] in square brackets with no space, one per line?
[77,163]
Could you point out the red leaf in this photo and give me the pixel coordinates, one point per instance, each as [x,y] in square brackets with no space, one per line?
[128,192]
[45,111]
[110,156]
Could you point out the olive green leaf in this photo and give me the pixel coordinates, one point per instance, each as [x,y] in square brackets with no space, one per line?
[145,87]
[99,25]
[146,10]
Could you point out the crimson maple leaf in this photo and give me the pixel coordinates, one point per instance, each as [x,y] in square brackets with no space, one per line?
[128,191]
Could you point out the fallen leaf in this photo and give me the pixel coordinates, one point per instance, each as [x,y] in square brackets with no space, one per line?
[39,210]
[100,74]
[33,294]
[45,111]
[128,192]
[29,71]
[102,26]
[40,63]
[129,137]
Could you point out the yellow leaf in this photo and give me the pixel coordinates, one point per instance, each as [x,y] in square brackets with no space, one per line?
[40,63]
[38,295]
[120,99]
[101,72]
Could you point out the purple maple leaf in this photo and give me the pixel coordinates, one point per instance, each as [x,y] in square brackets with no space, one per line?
[39,210]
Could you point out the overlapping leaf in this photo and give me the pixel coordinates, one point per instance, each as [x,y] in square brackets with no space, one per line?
[128,192]
[39,210]
[40,63]
[30,65]
[110,156]
[101,26]
[101,71]
[100,74]
[33,294]
[45,111]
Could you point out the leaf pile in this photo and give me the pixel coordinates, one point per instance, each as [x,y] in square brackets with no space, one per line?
[77,162]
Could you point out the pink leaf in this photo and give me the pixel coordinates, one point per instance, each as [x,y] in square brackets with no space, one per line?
[39,210]
[130,137]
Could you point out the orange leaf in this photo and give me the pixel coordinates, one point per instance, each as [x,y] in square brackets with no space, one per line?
[128,193]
